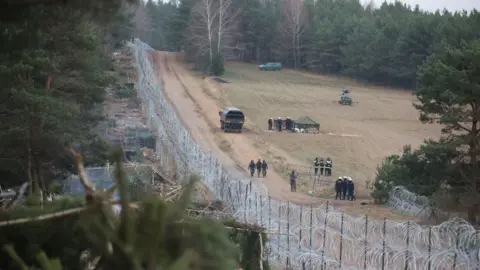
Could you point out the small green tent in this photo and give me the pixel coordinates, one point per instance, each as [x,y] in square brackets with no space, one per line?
[306,122]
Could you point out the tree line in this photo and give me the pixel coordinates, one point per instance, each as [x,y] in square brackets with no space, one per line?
[382,44]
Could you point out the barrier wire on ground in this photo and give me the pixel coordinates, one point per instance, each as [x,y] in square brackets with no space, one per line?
[305,237]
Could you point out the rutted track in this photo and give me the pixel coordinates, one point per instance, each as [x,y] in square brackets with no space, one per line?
[203,129]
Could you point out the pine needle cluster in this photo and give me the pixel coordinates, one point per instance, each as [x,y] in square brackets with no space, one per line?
[147,234]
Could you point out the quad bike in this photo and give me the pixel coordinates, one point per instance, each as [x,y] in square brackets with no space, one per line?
[346,100]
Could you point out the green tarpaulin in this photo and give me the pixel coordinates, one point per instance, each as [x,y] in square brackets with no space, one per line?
[306,122]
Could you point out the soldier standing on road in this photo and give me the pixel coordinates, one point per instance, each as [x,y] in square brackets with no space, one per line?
[251,167]
[293,181]
[264,168]
[322,166]
[316,164]
[279,123]
[270,124]
[344,188]
[350,189]
[259,167]
[338,188]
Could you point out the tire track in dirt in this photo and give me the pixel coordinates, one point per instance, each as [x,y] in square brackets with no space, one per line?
[197,111]
[179,81]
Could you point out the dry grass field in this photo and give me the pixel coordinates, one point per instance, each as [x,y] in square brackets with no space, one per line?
[356,137]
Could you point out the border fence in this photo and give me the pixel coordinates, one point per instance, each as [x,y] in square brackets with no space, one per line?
[305,237]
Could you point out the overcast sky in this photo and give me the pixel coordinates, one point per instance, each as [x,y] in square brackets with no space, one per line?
[432,5]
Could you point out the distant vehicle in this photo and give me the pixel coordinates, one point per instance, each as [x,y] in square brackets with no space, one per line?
[231,119]
[270,66]
[345,98]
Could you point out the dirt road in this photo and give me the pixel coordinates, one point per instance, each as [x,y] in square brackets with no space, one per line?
[200,114]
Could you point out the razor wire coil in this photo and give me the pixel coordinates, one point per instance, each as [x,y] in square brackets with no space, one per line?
[305,237]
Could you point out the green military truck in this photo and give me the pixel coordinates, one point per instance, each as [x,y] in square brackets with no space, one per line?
[270,66]
[231,119]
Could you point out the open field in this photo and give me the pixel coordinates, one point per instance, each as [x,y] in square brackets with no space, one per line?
[197,101]
[357,138]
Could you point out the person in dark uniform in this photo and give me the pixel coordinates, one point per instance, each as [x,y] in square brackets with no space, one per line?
[293,181]
[288,124]
[270,124]
[338,188]
[322,166]
[264,168]
[328,167]
[251,167]
[259,167]
[316,164]
[279,124]
[344,188]
[350,190]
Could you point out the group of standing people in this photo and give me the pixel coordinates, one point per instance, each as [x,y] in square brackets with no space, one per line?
[325,166]
[261,167]
[345,188]
[279,124]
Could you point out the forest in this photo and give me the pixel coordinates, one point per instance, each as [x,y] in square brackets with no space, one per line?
[380,44]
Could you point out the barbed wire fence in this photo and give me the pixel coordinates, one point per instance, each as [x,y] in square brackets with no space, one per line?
[400,198]
[306,237]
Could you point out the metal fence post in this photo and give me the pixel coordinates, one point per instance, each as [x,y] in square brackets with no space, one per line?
[384,242]
[457,241]
[256,208]
[408,245]
[239,187]
[279,229]
[261,210]
[249,201]
[430,248]
[300,234]
[245,205]
[341,242]
[231,198]
[311,236]
[365,244]
[269,213]
[477,239]
[324,236]
[288,234]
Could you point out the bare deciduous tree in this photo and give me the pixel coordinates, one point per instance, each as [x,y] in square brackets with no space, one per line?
[293,27]
[226,22]
[201,28]
[211,26]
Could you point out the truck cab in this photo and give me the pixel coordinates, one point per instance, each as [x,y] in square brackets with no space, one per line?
[231,119]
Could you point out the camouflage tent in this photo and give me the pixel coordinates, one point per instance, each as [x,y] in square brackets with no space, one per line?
[306,122]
